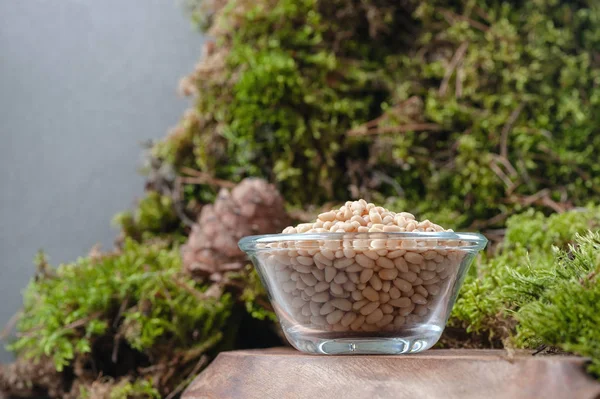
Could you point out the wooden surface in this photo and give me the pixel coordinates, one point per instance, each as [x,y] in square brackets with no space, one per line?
[489,374]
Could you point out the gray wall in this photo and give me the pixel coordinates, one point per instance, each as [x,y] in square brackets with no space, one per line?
[82,83]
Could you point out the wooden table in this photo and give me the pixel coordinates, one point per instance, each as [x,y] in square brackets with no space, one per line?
[284,373]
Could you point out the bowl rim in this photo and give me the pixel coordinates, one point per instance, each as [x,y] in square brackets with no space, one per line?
[476,241]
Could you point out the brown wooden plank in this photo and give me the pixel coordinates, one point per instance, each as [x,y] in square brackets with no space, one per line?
[286,373]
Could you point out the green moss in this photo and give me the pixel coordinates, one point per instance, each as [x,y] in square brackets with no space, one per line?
[541,288]
[154,216]
[291,100]
[564,311]
[138,294]
[507,130]
[500,283]
[467,119]
[136,389]
[122,389]
[533,230]
[255,296]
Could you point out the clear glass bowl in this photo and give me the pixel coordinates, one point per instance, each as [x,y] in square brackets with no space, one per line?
[359,293]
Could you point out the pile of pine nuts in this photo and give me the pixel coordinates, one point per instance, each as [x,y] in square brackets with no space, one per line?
[362,282]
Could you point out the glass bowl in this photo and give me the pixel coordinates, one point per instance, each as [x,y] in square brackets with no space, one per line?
[363,293]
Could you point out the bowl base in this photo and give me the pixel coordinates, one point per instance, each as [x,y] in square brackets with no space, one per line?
[412,340]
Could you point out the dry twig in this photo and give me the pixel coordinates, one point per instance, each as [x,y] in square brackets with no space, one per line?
[456,59]
[542,197]
[179,203]
[482,14]
[77,323]
[409,127]
[157,367]
[540,349]
[182,284]
[201,363]
[371,127]
[507,182]
[83,321]
[480,224]
[506,163]
[10,325]
[507,128]
[199,177]
[460,77]
[450,17]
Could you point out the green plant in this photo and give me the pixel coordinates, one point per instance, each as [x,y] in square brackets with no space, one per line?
[123,389]
[154,216]
[541,288]
[563,310]
[492,285]
[137,389]
[132,307]
[449,109]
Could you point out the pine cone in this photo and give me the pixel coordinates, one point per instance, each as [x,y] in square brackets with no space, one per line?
[252,207]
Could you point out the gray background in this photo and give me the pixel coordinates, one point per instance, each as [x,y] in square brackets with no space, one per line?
[82,83]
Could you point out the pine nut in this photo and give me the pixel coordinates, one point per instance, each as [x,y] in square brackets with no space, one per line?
[365,275]
[334,316]
[370,294]
[374,316]
[376,283]
[388,274]
[369,308]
